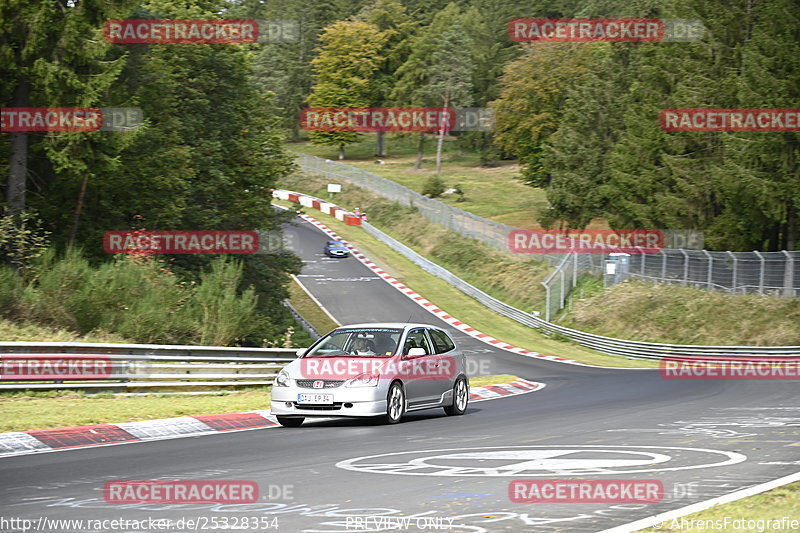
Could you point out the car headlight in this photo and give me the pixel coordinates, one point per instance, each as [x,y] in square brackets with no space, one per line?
[283,379]
[363,380]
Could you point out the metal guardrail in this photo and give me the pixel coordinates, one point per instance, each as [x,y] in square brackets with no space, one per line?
[609,345]
[305,324]
[138,366]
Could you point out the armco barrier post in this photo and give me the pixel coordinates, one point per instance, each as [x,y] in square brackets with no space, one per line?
[710,257]
[546,301]
[574,269]
[760,273]
[788,275]
[685,267]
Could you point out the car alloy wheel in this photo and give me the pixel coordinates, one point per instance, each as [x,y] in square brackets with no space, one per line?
[395,403]
[460,398]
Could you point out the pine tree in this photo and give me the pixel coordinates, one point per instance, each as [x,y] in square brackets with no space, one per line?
[54,55]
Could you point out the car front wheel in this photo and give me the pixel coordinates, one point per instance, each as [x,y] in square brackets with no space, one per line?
[395,404]
[290,421]
[460,398]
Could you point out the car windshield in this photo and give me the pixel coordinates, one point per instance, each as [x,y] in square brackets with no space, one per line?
[358,342]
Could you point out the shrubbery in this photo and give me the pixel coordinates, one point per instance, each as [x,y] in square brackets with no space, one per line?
[434,187]
[139,298]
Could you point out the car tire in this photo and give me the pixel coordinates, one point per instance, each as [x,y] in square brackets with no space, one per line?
[395,403]
[460,398]
[290,421]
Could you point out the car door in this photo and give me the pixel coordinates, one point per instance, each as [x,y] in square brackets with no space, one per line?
[447,360]
[418,378]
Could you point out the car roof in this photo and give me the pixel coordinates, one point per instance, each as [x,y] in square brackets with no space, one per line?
[336,242]
[399,325]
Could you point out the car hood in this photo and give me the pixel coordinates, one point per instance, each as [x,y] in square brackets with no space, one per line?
[337,367]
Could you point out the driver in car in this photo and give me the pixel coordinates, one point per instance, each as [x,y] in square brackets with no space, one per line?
[361,347]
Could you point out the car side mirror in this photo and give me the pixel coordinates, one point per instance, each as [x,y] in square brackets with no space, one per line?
[414,352]
[300,352]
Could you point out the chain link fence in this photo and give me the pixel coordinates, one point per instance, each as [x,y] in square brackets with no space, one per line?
[771,273]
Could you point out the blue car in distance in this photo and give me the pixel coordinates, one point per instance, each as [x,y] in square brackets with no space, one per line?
[336,249]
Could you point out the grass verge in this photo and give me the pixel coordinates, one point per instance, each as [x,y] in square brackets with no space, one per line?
[482,381]
[462,306]
[684,315]
[309,309]
[45,410]
[771,505]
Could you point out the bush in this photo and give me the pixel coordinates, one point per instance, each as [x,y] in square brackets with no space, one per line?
[136,297]
[10,290]
[434,187]
[223,315]
[459,193]
[22,238]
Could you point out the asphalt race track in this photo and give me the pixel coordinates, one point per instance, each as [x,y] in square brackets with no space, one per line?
[701,439]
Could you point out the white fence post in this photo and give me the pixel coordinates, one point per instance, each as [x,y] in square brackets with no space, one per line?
[709,275]
[788,275]
[685,267]
[761,272]
[735,264]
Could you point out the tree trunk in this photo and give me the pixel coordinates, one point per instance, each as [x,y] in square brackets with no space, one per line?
[420,150]
[792,229]
[341,152]
[440,142]
[78,209]
[380,145]
[18,160]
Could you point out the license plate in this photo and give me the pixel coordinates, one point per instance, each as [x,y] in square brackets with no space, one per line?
[315,398]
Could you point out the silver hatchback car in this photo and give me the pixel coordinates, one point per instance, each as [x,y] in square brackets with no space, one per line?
[373,370]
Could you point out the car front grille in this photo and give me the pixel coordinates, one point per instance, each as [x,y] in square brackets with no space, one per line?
[318,407]
[326,383]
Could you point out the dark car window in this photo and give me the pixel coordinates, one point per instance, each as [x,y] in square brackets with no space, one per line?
[382,342]
[416,339]
[441,341]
